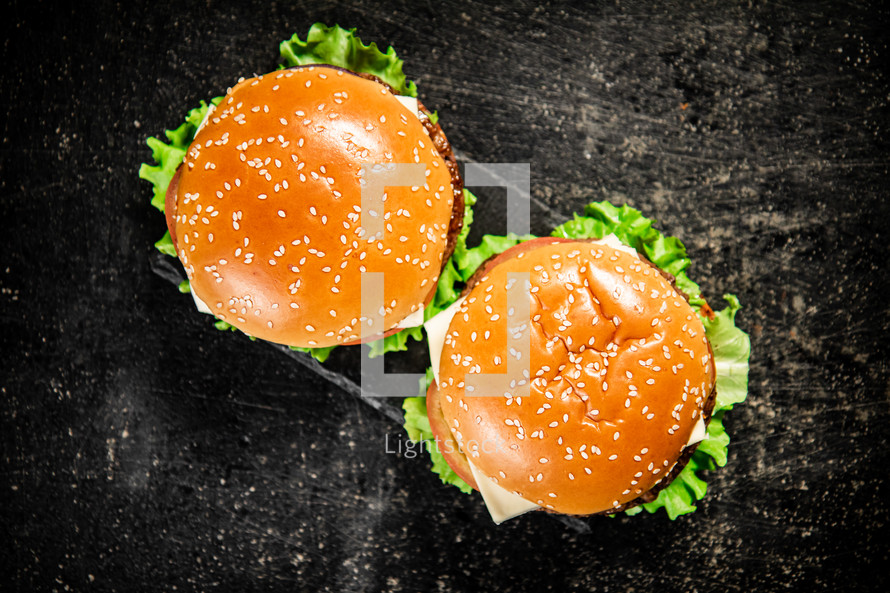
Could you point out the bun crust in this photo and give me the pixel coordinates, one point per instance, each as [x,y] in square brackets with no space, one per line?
[620,373]
[268,207]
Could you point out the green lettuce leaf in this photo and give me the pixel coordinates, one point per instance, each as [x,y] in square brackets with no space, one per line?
[168,155]
[165,245]
[635,230]
[448,287]
[716,446]
[677,500]
[730,344]
[417,425]
[395,343]
[340,47]
[469,260]
[732,349]
[460,246]
[319,354]
[224,326]
[447,290]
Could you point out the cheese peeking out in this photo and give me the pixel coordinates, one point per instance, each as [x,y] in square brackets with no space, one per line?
[501,504]
[436,329]
[413,320]
[199,304]
[699,433]
[410,103]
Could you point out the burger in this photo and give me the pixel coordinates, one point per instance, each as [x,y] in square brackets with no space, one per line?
[264,211]
[619,388]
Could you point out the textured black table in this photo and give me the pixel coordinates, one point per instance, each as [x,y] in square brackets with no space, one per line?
[142,450]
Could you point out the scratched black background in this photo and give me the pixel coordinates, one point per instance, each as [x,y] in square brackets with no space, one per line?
[142,450]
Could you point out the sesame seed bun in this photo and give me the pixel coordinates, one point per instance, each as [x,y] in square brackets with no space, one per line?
[267,207]
[621,372]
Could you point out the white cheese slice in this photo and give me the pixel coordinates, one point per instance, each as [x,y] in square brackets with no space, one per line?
[612,241]
[410,103]
[210,109]
[412,320]
[201,305]
[500,502]
[699,433]
[436,329]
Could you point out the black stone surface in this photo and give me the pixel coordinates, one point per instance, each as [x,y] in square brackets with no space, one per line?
[142,450]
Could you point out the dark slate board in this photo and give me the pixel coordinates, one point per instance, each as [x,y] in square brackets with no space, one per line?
[144,450]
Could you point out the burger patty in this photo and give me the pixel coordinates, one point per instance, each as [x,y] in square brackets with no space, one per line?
[708,408]
[457,183]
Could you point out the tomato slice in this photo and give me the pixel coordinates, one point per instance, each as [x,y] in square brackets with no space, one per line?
[445,441]
[170,205]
